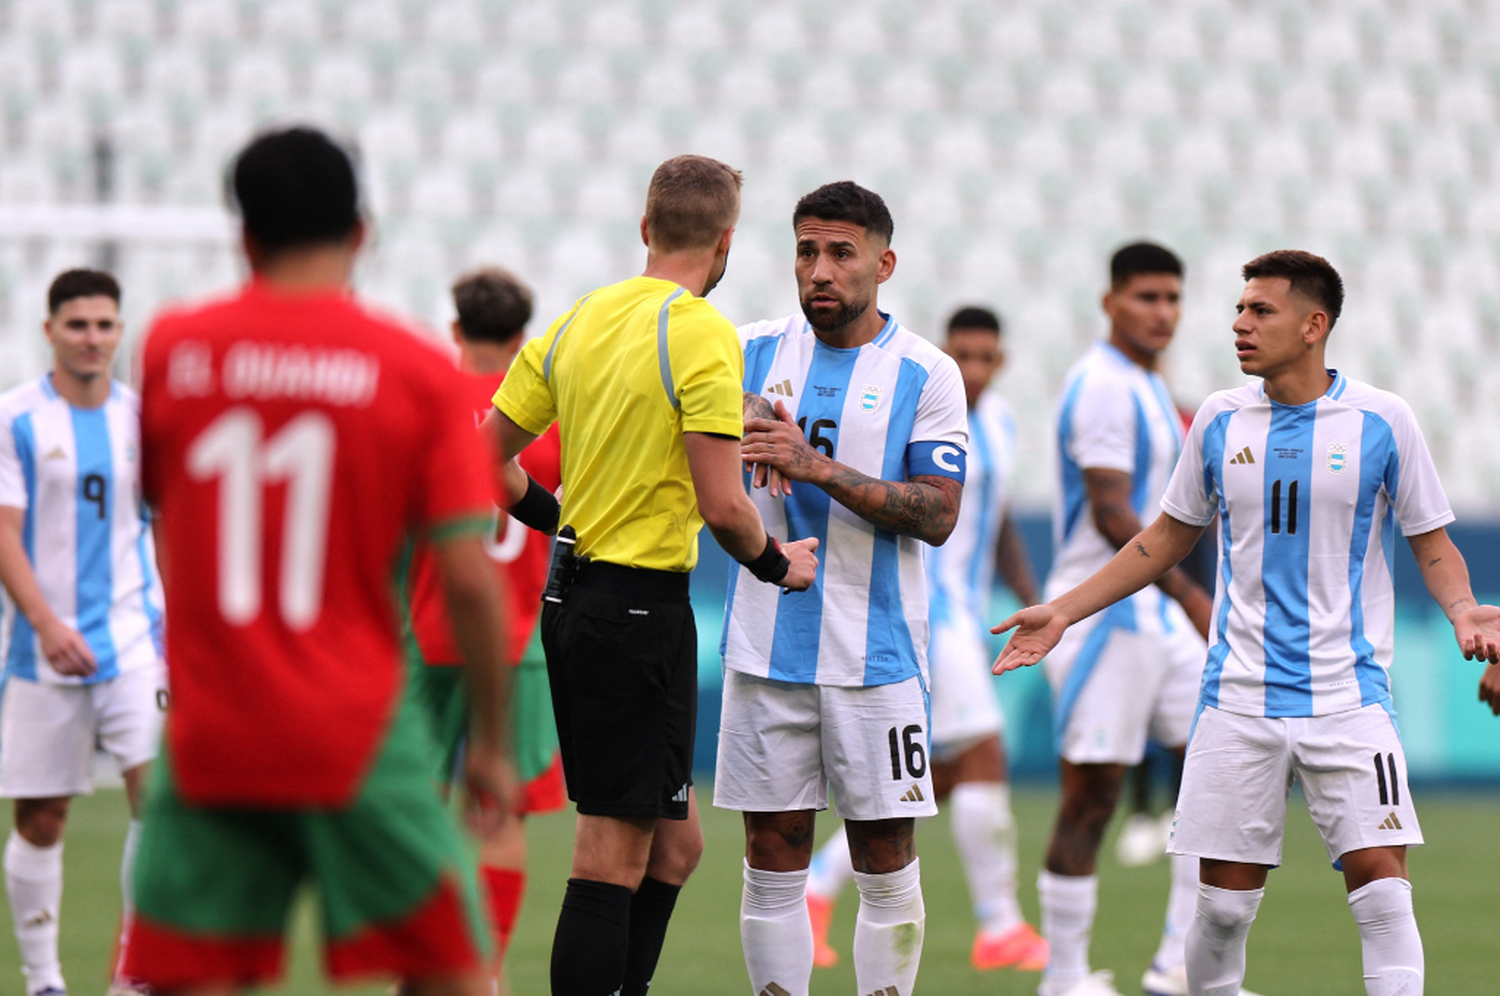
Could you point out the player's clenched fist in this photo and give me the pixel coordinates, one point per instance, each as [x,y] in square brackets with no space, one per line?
[1038,629]
[804,569]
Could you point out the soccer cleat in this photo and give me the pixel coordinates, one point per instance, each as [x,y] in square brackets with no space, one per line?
[1020,947]
[1101,983]
[1142,840]
[820,912]
[1162,982]
[50,991]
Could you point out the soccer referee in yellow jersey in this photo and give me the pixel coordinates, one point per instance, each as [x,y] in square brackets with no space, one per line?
[644,379]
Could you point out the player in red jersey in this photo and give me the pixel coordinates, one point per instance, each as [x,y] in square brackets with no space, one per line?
[293,442]
[493,308]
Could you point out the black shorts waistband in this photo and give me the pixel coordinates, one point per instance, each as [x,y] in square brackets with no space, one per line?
[634,582]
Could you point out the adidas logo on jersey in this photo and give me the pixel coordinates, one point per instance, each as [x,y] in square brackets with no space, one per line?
[1243,456]
[772,989]
[785,390]
[1391,823]
[914,794]
[56,453]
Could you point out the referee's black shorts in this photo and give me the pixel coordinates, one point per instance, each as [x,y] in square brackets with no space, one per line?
[622,659]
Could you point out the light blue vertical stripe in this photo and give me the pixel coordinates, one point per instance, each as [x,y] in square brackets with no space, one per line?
[1075,496]
[1284,563]
[663,353]
[1140,483]
[20,656]
[890,654]
[984,543]
[1214,436]
[95,580]
[799,616]
[148,585]
[1377,455]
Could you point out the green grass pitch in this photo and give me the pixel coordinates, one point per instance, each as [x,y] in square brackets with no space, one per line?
[1304,941]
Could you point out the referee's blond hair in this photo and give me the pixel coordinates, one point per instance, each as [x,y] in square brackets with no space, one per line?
[692,200]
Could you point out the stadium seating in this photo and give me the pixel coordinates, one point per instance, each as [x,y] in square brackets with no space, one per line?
[1017,143]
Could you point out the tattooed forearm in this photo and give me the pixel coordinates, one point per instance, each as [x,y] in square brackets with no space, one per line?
[1460,601]
[925,507]
[1140,548]
[1434,560]
[756,406]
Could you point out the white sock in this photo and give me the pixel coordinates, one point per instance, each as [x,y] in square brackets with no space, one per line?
[1392,947]
[1216,941]
[888,931]
[775,931]
[1182,906]
[1068,904]
[33,881]
[127,887]
[831,868]
[985,833]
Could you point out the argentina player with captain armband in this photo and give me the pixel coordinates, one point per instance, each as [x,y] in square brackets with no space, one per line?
[826,690]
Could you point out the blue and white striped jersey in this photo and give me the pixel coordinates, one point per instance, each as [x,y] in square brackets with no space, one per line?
[893,409]
[76,473]
[1114,415]
[1308,498]
[961,571]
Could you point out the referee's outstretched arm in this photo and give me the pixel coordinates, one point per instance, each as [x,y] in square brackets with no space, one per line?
[714,462]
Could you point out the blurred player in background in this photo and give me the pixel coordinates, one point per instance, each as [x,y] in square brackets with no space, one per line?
[81,632]
[968,754]
[1130,673]
[827,690]
[1309,473]
[294,442]
[493,308]
[643,379]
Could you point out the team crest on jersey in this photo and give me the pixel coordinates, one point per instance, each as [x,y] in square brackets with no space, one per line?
[870,399]
[1338,457]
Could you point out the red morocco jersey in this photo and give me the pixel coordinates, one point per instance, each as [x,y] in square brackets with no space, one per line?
[291,444]
[521,555]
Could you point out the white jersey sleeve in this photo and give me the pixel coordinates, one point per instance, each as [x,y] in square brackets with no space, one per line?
[1192,495]
[1104,426]
[12,475]
[1412,483]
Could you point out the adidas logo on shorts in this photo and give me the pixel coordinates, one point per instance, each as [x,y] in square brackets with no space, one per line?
[913,794]
[772,989]
[1391,823]
[681,796]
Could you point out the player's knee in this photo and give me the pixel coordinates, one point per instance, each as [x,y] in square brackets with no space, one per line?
[40,821]
[1228,910]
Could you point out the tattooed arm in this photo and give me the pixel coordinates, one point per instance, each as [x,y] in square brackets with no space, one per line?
[925,506]
[1476,627]
[1115,518]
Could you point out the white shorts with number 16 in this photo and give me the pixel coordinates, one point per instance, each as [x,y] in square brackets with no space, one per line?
[783,747]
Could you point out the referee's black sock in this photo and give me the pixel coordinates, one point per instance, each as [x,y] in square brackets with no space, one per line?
[593,935]
[650,910]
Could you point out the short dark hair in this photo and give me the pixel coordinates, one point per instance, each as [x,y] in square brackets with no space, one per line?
[846,200]
[1311,276]
[71,284]
[976,317]
[295,187]
[1141,257]
[493,305]
[690,202]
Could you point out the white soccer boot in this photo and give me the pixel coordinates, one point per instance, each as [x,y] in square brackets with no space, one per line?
[1160,982]
[1101,983]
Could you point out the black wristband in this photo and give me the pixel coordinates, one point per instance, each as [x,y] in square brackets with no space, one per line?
[537,508]
[771,566]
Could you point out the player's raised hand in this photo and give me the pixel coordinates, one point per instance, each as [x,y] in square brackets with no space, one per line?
[1478,632]
[493,787]
[804,569]
[1037,630]
[779,445]
[66,650]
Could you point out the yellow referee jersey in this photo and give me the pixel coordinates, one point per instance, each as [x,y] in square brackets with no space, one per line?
[631,368]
